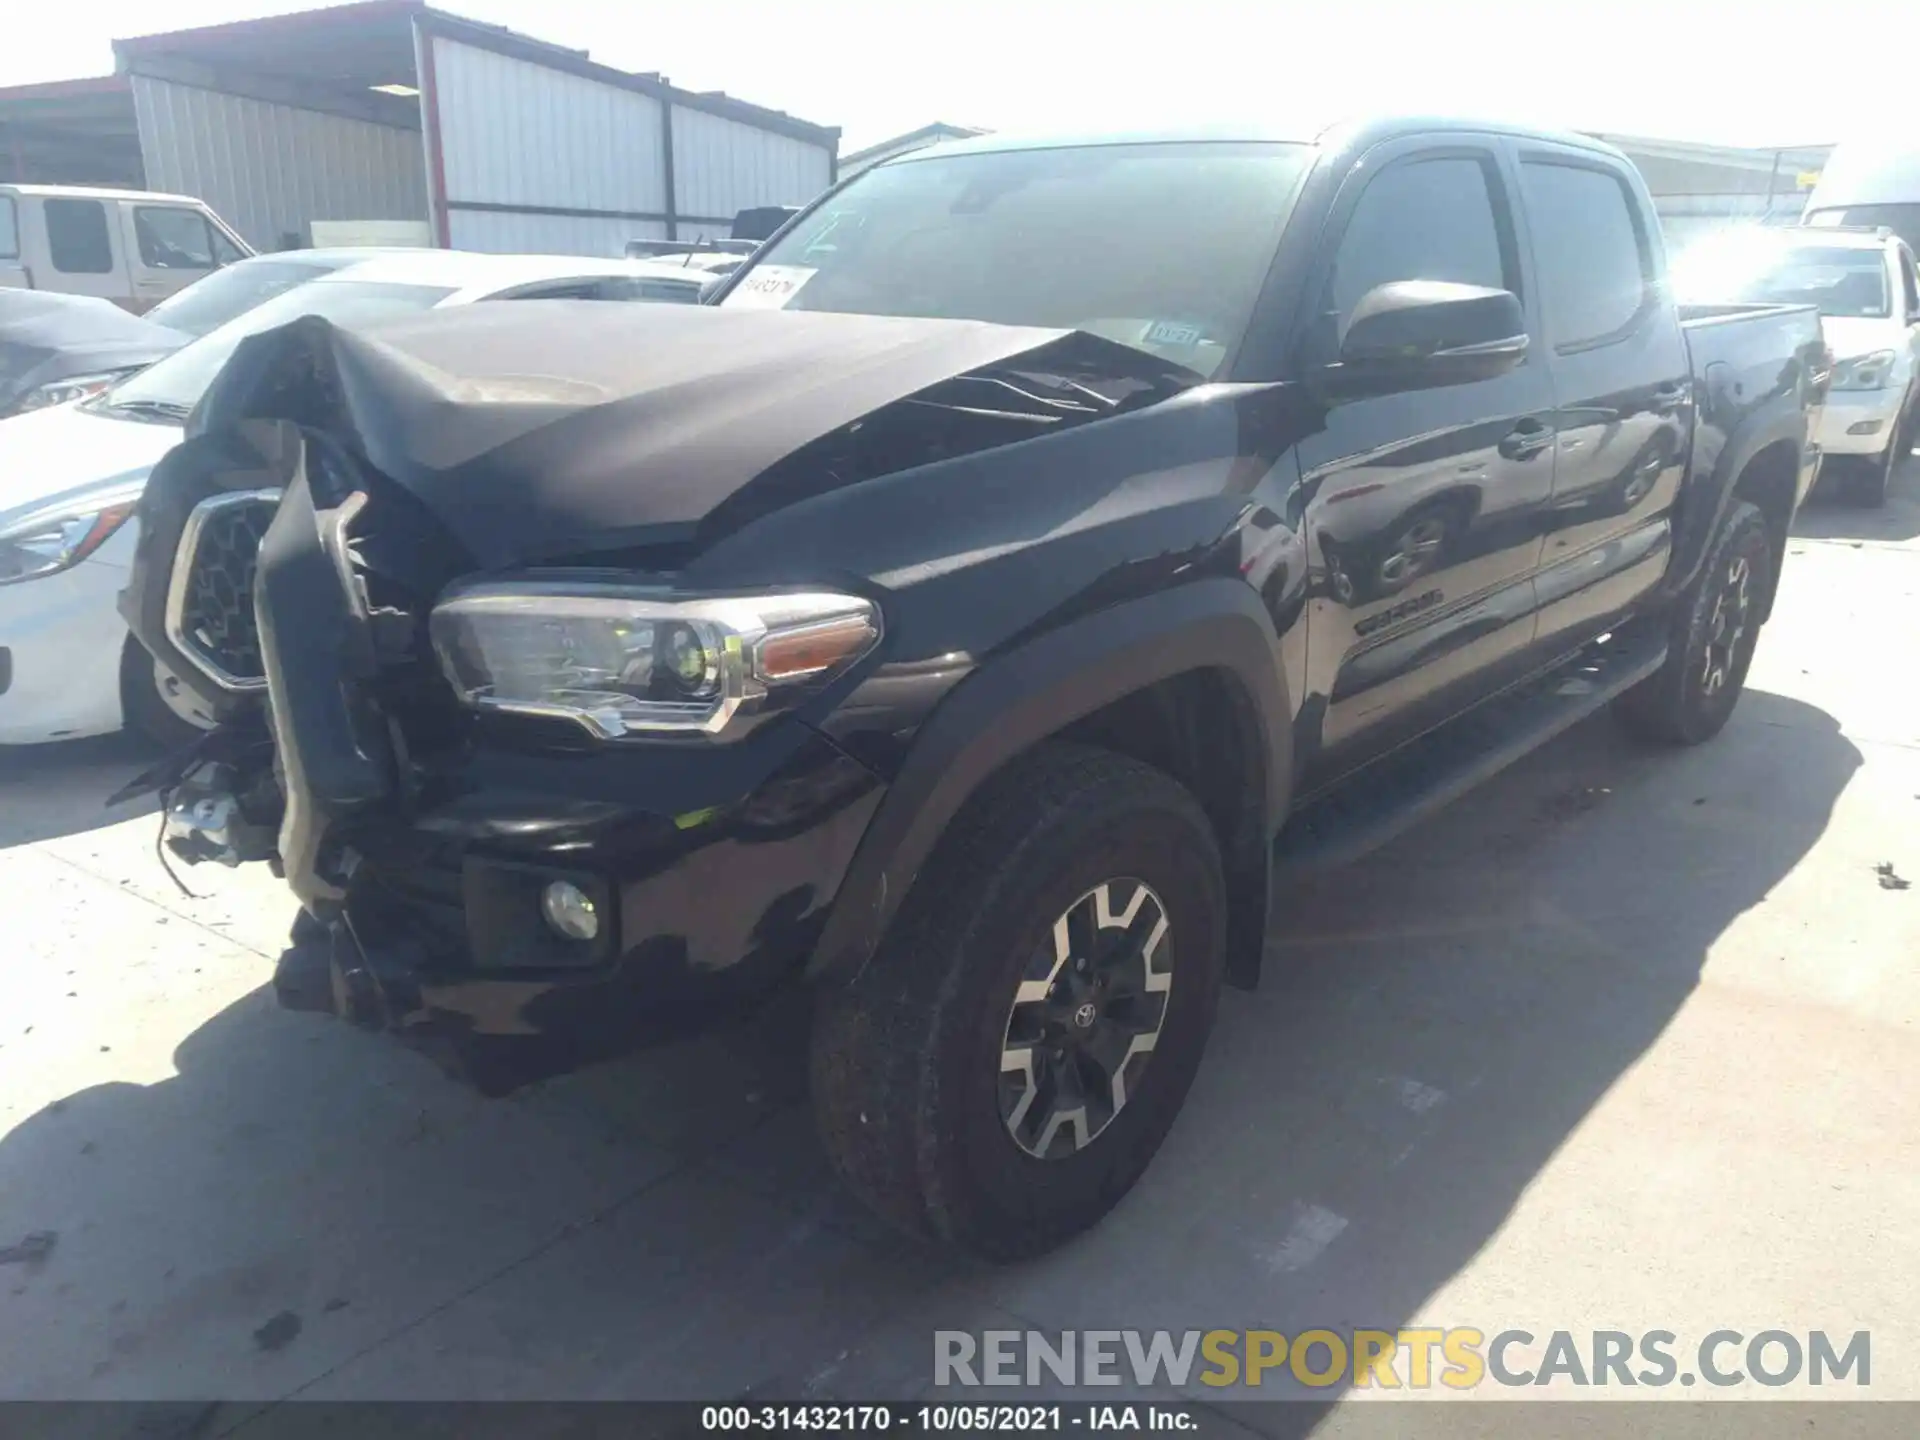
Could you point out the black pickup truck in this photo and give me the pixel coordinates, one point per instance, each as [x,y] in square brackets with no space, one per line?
[1034,549]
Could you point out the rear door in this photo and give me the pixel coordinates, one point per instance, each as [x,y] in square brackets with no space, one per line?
[1424,508]
[1623,386]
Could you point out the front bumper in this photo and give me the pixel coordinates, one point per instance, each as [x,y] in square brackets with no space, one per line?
[63,640]
[439,937]
[420,839]
[1859,422]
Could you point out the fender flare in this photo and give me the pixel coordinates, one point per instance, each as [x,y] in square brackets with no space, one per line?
[1780,421]
[1022,696]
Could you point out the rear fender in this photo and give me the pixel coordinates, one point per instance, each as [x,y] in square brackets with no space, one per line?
[1780,419]
[1023,696]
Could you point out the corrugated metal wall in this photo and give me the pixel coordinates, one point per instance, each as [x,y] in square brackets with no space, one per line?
[722,166]
[513,133]
[537,157]
[500,233]
[269,169]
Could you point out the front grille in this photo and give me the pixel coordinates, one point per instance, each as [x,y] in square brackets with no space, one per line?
[214,619]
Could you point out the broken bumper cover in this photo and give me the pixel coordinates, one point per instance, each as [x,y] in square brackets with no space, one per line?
[422,867]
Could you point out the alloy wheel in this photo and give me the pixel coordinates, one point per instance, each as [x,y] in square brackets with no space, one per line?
[1085,1018]
[1727,626]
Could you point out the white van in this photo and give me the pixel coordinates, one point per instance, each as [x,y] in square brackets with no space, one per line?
[133,247]
[1869,183]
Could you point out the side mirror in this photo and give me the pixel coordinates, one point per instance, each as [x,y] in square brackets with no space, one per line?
[1416,334]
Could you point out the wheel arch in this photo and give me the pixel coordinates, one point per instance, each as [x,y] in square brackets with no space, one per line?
[1188,681]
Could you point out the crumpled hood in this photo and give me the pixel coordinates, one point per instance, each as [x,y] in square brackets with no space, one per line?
[48,454]
[541,429]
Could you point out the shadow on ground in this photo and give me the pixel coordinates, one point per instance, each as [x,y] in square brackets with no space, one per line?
[1436,1021]
[47,791]
[1830,515]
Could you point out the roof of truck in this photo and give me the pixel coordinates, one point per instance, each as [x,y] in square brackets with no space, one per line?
[96,192]
[1363,130]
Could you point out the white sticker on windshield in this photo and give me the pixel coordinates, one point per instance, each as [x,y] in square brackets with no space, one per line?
[769,287]
[1171,332]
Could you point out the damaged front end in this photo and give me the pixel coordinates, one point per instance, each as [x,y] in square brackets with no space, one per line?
[502,855]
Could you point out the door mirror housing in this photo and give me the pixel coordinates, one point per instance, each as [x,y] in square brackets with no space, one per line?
[1417,334]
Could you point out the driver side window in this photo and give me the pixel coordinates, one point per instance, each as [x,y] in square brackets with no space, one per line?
[1431,219]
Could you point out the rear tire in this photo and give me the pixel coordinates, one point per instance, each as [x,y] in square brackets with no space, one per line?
[919,1106]
[1715,627]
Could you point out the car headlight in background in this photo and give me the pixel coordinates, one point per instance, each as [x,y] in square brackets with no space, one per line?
[624,661]
[59,536]
[1864,372]
[74,387]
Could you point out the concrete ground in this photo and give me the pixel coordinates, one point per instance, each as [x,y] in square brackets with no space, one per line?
[1623,1041]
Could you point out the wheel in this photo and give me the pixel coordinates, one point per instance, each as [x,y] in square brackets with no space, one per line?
[1716,625]
[155,702]
[1004,1068]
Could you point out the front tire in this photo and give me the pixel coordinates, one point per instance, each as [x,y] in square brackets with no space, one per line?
[1005,1067]
[1716,626]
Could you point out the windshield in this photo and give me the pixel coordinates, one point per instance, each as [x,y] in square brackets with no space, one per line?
[211,302]
[177,382]
[1159,246]
[1844,281]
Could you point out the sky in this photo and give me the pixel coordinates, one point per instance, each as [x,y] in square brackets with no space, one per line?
[1762,73]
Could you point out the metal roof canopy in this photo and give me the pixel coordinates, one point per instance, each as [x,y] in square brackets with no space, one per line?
[78,131]
[338,55]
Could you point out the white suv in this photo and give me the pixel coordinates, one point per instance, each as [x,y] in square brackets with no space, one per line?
[1864,283]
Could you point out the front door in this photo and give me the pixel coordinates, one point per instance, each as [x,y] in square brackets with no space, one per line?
[1424,509]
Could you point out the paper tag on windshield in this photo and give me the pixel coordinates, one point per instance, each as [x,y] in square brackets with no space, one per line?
[769,287]
[1172,333]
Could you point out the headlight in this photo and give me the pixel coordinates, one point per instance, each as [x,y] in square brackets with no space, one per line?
[59,536]
[630,661]
[76,387]
[1864,372]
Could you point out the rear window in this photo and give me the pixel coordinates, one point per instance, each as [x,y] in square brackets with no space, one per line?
[9,230]
[77,239]
[1594,263]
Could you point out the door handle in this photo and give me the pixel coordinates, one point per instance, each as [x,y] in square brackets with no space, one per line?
[1526,440]
[1669,397]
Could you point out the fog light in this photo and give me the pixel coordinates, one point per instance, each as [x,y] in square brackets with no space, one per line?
[1864,427]
[569,910]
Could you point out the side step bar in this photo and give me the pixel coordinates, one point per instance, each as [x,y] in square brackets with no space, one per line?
[1406,785]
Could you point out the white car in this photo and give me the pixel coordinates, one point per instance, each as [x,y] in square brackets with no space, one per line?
[1864,284]
[70,477]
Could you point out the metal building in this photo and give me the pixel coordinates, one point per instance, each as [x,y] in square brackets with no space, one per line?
[390,110]
[1698,188]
